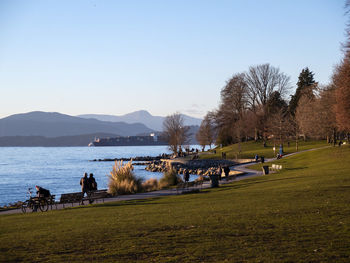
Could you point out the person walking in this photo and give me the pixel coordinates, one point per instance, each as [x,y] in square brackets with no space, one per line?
[84,182]
[227,172]
[186,176]
[92,183]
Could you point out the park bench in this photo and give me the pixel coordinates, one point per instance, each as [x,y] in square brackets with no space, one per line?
[276,167]
[51,200]
[186,187]
[97,195]
[71,198]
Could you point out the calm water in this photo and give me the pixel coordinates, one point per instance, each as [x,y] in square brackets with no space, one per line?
[59,169]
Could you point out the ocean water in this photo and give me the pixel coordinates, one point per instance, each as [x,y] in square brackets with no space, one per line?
[59,169]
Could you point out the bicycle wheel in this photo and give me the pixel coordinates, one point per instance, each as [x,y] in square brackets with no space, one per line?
[24,207]
[43,205]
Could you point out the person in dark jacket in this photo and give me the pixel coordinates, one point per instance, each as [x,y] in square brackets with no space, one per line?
[84,182]
[92,183]
[186,176]
[42,192]
[226,171]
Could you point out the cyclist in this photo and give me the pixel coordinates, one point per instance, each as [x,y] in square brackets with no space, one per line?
[42,192]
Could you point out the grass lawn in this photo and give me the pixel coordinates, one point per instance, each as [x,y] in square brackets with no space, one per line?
[300,214]
[249,149]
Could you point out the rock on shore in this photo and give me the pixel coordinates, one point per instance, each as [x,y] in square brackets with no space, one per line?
[136,159]
[198,167]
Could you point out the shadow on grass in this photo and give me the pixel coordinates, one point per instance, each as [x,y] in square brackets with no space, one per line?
[296,168]
[148,201]
[135,202]
[234,185]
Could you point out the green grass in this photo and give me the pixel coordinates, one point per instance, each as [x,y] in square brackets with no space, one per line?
[300,214]
[251,148]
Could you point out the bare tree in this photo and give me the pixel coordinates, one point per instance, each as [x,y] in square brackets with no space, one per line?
[262,81]
[315,115]
[234,98]
[175,132]
[206,134]
[277,126]
[305,116]
[341,80]
[325,114]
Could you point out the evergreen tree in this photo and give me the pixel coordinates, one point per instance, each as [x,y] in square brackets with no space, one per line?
[306,80]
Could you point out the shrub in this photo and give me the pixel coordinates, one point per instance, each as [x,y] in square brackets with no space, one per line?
[169,178]
[150,185]
[122,179]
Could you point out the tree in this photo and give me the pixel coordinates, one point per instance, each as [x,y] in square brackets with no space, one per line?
[341,81]
[315,115]
[278,125]
[342,94]
[262,81]
[305,81]
[276,103]
[304,116]
[234,98]
[325,114]
[175,132]
[206,135]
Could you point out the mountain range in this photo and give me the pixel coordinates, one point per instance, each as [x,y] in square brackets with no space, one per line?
[55,129]
[54,124]
[144,117]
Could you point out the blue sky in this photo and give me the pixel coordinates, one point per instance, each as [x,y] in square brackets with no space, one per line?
[115,57]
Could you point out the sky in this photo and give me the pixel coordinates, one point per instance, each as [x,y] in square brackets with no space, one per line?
[116,57]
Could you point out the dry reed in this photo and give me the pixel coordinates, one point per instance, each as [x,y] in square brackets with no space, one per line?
[122,179]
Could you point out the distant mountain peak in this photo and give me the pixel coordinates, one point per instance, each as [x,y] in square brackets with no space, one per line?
[140,113]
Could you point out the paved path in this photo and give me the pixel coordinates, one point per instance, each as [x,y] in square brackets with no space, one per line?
[247,173]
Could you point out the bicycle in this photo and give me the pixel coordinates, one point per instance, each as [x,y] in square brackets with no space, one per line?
[34,203]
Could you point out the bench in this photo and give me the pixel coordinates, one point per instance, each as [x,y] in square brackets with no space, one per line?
[71,198]
[51,200]
[276,167]
[186,187]
[96,195]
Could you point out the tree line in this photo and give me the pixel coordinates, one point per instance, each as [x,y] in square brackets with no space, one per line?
[254,105]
